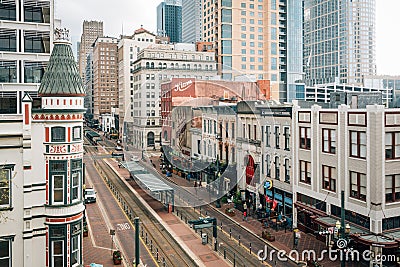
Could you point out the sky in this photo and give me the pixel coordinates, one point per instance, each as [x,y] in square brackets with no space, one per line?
[128,15]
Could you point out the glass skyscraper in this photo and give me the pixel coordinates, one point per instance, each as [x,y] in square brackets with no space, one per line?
[169,20]
[339,41]
[191,21]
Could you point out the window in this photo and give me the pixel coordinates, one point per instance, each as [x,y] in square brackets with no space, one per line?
[286,133]
[34,71]
[57,134]
[226,129]
[392,188]
[233,130]
[305,172]
[255,132]
[8,40]
[57,253]
[277,170]
[305,138]
[5,252]
[268,164]
[5,185]
[358,146]
[76,133]
[38,14]
[392,145]
[58,171]
[75,250]
[287,171]
[358,185]
[37,42]
[267,132]
[328,176]
[8,11]
[277,137]
[76,174]
[329,141]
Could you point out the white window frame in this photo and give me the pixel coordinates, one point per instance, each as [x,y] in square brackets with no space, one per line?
[7,186]
[53,189]
[53,255]
[76,250]
[77,187]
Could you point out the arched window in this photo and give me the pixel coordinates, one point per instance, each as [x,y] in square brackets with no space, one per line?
[152,65]
[195,66]
[172,65]
[150,139]
[165,135]
[160,65]
[206,67]
[176,66]
[199,67]
[147,65]
[188,66]
[165,66]
[184,66]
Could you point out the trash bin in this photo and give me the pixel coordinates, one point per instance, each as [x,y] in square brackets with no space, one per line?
[204,238]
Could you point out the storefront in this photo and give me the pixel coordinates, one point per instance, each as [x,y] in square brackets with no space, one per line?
[284,199]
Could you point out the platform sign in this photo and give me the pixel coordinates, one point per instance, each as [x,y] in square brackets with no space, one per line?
[202,226]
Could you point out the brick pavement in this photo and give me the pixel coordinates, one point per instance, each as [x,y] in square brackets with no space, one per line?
[179,229]
[283,239]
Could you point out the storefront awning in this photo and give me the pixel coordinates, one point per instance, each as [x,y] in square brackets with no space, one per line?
[377,241]
[331,222]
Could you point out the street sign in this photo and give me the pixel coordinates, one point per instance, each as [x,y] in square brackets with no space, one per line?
[331,230]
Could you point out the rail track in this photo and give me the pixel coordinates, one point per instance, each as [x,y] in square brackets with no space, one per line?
[159,241]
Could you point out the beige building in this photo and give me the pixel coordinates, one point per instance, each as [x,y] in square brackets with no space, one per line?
[244,40]
[128,49]
[90,31]
[355,150]
[155,64]
[105,75]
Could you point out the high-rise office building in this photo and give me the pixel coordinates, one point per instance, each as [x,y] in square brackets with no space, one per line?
[191,21]
[90,31]
[252,39]
[105,75]
[169,20]
[26,34]
[339,41]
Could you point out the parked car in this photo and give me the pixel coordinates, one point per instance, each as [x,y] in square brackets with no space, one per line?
[90,195]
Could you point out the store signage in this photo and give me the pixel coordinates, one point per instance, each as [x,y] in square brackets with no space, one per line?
[182,86]
[268,184]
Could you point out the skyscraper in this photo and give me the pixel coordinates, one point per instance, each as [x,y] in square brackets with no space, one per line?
[26,35]
[252,38]
[91,30]
[191,21]
[169,20]
[105,75]
[339,41]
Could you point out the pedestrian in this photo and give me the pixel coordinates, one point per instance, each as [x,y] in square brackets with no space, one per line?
[245,206]
[244,215]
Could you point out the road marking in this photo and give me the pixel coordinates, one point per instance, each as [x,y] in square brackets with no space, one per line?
[126,216]
[123,226]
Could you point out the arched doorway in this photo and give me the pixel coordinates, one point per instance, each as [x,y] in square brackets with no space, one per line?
[150,139]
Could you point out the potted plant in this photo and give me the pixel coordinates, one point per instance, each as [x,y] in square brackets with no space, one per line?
[85,231]
[117,258]
[267,235]
[230,212]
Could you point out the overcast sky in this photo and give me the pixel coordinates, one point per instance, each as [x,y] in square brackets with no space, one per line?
[128,15]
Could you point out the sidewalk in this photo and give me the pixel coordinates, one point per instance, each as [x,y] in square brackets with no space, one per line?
[181,231]
[283,239]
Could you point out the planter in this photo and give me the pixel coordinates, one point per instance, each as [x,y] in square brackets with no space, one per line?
[230,212]
[117,258]
[266,235]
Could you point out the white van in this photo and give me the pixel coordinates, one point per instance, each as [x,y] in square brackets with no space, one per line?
[90,195]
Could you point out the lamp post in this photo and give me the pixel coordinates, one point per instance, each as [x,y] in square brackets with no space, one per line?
[343,231]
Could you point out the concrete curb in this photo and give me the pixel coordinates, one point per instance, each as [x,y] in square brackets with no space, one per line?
[158,218]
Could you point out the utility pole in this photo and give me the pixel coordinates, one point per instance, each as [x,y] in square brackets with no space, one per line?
[342,228]
[137,256]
